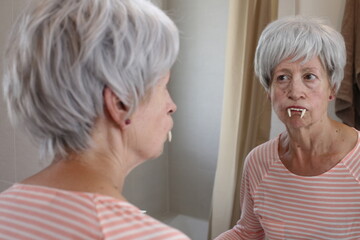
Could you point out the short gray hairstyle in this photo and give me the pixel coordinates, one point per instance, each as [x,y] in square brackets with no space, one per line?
[61,54]
[299,37]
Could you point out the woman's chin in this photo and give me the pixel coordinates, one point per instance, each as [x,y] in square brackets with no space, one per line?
[295,123]
[157,153]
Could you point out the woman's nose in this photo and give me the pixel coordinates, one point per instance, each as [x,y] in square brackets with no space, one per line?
[173,106]
[296,90]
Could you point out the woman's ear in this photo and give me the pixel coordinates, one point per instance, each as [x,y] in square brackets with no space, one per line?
[332,94]
[116,110]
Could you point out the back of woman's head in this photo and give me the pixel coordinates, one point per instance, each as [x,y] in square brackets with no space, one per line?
[62,53]
[299,37]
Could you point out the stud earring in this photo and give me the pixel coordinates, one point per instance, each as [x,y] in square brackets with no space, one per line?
[127,121]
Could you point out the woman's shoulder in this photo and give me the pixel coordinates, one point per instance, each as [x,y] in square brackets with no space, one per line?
[121,219]
[49,208]
[260,159]
[266,152]
[101,214]
[352,157]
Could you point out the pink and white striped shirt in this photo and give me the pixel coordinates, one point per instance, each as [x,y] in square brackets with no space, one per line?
[277,204]
[34,212]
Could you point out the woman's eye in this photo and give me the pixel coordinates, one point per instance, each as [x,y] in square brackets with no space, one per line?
[310,76]
[282,78]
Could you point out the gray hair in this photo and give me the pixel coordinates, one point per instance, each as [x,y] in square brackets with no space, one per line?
[61,54]
[298,37]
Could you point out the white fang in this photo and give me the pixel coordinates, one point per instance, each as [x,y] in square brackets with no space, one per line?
[303,113]
[169,136]
[289,112]
[302,110]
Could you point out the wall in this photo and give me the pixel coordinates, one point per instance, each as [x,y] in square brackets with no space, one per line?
[147,186]
[329,10]
[197,88]
[18,156]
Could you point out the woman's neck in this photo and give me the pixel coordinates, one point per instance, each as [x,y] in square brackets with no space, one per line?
[86,172]
[313,151]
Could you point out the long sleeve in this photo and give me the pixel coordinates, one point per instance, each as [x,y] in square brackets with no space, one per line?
[248,227]
[282,205]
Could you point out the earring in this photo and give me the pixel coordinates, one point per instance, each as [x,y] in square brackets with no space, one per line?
[127,121]
[330,97]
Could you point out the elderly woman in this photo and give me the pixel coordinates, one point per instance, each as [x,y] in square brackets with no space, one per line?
[87,79]
[305,183]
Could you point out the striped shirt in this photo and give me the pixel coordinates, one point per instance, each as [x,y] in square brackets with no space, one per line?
[34,212]
[277,204]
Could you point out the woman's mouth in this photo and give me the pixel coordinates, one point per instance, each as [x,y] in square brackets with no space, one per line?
[299,110]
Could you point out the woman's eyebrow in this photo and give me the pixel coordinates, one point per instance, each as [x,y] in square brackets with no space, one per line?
[311,69]
[284,70]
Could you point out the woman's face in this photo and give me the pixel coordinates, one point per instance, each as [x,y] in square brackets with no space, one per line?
[152,121]
[300,92]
